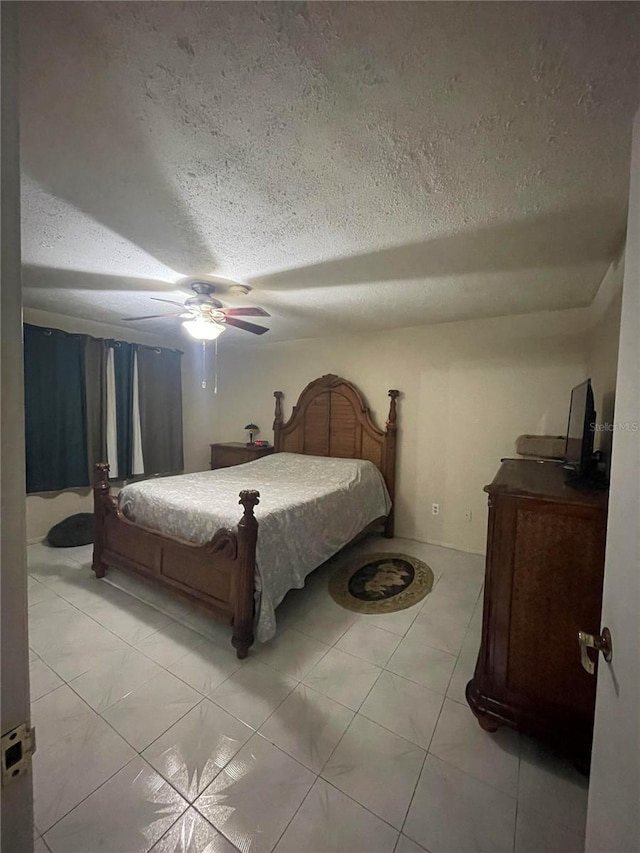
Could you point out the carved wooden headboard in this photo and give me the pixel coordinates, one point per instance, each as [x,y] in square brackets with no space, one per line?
[331,418]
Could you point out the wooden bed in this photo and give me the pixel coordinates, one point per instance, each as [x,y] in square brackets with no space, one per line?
[330,419]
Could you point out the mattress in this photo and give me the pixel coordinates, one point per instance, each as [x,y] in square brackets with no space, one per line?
[310,507]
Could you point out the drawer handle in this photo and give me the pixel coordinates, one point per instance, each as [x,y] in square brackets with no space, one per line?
[599,642]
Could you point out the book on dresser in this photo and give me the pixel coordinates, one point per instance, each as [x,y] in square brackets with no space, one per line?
[226,454]
[543,584]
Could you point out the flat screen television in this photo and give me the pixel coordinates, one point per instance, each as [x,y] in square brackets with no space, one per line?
[580,430]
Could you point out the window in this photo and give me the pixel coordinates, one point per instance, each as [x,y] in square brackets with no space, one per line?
[92,400]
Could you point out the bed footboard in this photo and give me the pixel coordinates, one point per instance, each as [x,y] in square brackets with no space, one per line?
[244,578]
[103,504]
[219,575]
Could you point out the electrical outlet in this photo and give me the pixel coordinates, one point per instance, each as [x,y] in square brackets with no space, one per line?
[468,515]
[435,509]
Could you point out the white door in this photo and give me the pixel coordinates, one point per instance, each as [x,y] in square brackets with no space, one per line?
[613,818]
[17,815]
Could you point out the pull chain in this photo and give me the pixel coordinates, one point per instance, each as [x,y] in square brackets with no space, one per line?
[203,381]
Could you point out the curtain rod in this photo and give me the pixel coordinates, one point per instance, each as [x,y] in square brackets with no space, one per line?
[50,329]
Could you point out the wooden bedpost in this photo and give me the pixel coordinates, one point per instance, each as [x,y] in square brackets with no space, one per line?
[101,496]
[390,461]
[277,421]
[244,579]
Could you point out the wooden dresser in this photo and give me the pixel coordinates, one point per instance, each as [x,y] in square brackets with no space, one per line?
[235,453]
[543,584]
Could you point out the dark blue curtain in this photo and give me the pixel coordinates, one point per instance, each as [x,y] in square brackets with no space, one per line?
[65,407]
[55,410]
[123,361]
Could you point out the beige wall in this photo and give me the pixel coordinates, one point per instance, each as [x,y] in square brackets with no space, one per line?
[468,389]
[43,511]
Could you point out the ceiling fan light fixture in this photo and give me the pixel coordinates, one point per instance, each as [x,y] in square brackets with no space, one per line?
[239,289]
[203,330]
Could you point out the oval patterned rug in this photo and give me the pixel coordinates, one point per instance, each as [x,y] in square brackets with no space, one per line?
[381,583]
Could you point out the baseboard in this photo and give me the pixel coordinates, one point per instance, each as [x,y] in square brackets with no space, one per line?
[444,545]
[448,545]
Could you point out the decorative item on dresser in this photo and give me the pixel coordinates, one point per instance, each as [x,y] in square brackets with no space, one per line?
[226,454]
[543,584]
[330,419]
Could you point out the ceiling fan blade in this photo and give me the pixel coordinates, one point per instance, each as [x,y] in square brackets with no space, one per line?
[246,312]
[155,316]
[247,327]
[170,301]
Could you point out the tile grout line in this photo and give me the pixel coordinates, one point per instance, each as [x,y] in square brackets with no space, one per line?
[62,817]
[428,748]
[342,793]
[202,696]
[174,620]
[104,627]
[139,753]
[119,734]
[209,697]
[383,668]
[132,595]
[334,644]
[133,646]
[95,790]
[424,761]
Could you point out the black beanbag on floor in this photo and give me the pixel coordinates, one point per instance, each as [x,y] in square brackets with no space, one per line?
[73,531]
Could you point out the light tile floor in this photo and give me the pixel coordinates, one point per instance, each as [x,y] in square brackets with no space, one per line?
[345,734]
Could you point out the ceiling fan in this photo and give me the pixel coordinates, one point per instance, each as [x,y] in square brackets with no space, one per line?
[205,317]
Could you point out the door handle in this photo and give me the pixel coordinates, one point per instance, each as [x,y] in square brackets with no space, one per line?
[599,642]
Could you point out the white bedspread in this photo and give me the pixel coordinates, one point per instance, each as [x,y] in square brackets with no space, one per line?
[310,507]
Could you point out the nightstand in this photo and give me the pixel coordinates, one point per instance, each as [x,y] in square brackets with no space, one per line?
[224,455]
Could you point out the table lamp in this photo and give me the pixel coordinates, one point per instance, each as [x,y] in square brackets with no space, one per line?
[252,429]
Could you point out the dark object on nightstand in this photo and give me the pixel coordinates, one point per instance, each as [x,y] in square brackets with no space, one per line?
[543,584]
[73,531]
[230,453]
[252,429]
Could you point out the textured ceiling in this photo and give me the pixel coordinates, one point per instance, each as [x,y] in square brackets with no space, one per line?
[360,165]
